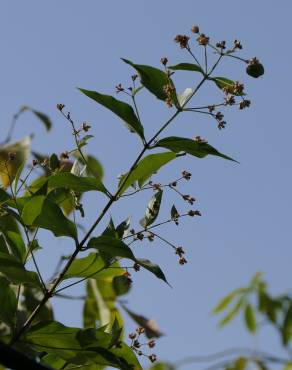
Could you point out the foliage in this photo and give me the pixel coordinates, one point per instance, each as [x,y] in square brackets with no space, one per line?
[46,192]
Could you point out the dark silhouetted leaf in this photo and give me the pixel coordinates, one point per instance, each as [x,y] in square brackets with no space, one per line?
[153,79]
[152,267]
[111,246]
[123,227]
[121,109]
[186,67]
[174,213]
[150,326]
[54,162]
[193,147]
[15,271]
[8,304]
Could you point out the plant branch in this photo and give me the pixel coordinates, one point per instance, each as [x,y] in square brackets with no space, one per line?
[79,245]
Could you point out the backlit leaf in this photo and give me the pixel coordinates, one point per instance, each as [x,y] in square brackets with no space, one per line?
[145,169]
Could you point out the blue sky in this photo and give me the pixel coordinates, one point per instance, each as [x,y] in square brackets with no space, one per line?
[49,48]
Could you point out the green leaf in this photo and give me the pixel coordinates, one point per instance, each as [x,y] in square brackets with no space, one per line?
[102,310]
[232,313]
[152,210]
[10,168]
[152,267]
[54,162]
[16,245]
[76,183]
[3,246]
[53,337]
[94,167]
[192,147]
[186,67]
[79,346]
[225,83]
[3,196]
[84,140]
[121,284]
[111,246]
[225,301]
[116,332]
[42,212]
[250,319]
[153,79]
[145,169]
[121,109]
[32,209]
[8,304]
[287,325]
[110,230]
[86,266]
[162,366]
[31,298]
[123,227]
[288,366]
[15,271]
[174,213]
[55,362]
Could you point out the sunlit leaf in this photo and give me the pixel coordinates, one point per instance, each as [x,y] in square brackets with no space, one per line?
[10,167]
[86,266]
[225,301]
[250,318]
[232,313]
[185,96]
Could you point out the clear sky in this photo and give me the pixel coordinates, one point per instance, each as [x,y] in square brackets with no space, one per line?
[50,47]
